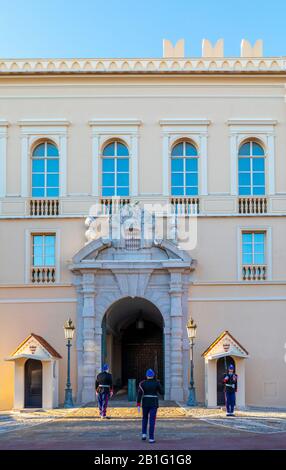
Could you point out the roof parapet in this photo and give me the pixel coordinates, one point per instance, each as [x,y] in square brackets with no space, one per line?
[209,50]
[173,51]
[247,50]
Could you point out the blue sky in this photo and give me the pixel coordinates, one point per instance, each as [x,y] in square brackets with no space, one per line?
[135,28]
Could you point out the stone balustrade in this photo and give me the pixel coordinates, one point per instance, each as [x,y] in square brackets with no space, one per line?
[186,205]
[44,207]
[43,274]
[254,272]
[112,205]
[252,205]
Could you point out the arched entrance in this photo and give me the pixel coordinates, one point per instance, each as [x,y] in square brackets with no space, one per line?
[222,366]
[33,384]
[133,340]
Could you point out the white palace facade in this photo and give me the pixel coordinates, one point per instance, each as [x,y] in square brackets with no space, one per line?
[136,194]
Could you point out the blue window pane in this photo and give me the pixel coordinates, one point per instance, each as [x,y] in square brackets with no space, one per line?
[50,250]
[244,191]
[38,251]
[190,150]
[38,166]
[109,150]
[259,259]
[39,151]
[123,179]
[247,237]
[123,164]
[38,192]
[177,179]
[191,164]
[259,248]
[123,191]
[38,261]
[191,191]
[259,237]
[177,165]
[38,239]
[52,150]
[50,239]
[257,149]
[177,151]
[258,179]
[53,166]
[247,247]
[244,179]
[258,190]
[52,192]
[38,180]
[244,149]
[177,191]
[49,261]
[247,259]
[108,191]
[108,179]
[258,164]
[108,164]
[122,150]
[53,180]
[244,164]
[191,179]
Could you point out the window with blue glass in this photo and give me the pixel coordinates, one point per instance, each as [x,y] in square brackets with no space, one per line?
[253,248]
[115,170]
[44,250]
[184,170]
[251,169]
[45,170]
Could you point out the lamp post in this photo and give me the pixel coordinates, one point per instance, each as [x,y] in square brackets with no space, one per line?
[192,331]
[69,332]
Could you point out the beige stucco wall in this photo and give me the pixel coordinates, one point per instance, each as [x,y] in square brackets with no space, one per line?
[45,319]
[152,99]
[218,299]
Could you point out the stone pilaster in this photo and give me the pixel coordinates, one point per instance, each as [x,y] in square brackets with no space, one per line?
[88,338]
[79,339]
[176,346]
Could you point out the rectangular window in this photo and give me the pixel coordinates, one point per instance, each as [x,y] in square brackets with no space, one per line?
[253,248]
[43,250]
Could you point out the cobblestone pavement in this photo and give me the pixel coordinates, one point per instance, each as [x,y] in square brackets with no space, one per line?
[177,428]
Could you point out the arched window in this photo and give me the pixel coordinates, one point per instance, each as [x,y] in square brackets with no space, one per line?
[251,169]
[45,170]
[184,169]
[115,170]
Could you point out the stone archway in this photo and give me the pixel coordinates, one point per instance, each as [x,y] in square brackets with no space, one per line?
[133,340]
[107,270]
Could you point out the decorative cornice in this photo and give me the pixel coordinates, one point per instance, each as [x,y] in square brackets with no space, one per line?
[4,123]
[142,66]
[43,122]
[115,122]
[251,122]
[184,122]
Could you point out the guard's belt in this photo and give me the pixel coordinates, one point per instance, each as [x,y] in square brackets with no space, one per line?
[150,396]
[104,385]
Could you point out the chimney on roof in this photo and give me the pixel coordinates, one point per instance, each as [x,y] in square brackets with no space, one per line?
[176,51]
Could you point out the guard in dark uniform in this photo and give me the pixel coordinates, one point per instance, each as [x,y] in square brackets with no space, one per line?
[230,389]
[148,392]
[104,390]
